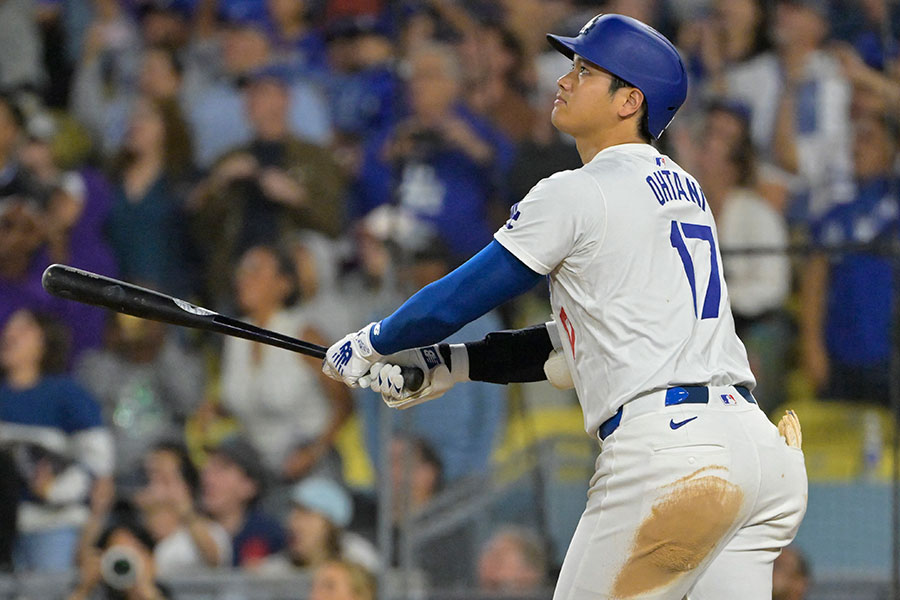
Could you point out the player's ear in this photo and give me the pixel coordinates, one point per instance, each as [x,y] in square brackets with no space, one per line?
[633,102]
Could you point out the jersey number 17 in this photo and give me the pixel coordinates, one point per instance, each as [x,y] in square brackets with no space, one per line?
[710,308]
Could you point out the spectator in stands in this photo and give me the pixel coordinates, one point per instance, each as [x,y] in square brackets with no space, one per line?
[368,281]
[15,180]
[147,384]
[259,192]
[57,438]
[296,42]
[217,114]
[848,294]
[874,91]
[166,23]
[124,539]
[342,580]
[320,512]
[799,107]
[74,222]
[513,560]
[448,163]
[721,44]
[21,236]
[416,481]
[759,285]
[290,410]
[22,200]
[495,63]
[791,575]
[416,476]
[364,88]
[365,94]
[461,427]
[874,32]
[146,225]
[317,261]
[185,540]
[107,113]
[232,482]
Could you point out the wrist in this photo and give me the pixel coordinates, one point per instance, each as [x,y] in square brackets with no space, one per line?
[459,363]
[367,340]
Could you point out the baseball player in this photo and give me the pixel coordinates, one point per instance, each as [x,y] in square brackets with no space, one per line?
[695,492]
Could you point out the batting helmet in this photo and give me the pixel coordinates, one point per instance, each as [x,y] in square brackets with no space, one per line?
[637,53]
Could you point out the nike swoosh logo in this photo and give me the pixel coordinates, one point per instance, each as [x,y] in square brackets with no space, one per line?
[675,425]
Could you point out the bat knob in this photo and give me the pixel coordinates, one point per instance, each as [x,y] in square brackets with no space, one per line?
[412,378]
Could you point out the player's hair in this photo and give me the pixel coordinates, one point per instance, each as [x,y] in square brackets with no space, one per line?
[426,453]
[362,582]
[286,267]
[57,342]
[618,83]
[530,545]
[185,465]
[743,156]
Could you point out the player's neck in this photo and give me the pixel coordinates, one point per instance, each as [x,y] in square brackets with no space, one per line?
[590,146]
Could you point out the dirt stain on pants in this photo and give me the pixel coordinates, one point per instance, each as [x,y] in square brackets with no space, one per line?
[683,527]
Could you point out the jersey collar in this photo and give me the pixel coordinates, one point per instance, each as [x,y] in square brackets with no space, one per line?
[631,148]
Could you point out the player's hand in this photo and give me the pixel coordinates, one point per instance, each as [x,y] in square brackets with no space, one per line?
[387,377]
[349,359]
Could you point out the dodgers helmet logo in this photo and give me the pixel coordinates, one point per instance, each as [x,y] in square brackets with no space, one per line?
[589,25]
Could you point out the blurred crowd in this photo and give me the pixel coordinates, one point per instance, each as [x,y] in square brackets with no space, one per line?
[306,165]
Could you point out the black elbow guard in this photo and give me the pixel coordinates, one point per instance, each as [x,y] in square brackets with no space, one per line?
[512,356]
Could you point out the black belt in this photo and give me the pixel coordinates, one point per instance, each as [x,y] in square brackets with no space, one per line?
[685,394]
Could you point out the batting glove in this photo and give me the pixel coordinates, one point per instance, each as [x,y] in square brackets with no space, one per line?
[438,375]
[350,359]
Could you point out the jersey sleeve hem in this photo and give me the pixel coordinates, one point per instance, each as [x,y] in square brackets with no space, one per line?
[516,250]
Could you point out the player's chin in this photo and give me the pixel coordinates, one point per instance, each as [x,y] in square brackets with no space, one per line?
[558,118]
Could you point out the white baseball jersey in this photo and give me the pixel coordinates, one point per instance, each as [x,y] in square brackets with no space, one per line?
[630,247]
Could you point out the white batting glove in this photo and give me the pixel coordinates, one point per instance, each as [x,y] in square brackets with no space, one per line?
[387,378]
[349,359]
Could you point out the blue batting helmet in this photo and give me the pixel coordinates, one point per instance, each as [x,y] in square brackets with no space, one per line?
[637,53]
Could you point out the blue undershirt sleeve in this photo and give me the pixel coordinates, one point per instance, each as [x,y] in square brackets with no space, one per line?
[485,281]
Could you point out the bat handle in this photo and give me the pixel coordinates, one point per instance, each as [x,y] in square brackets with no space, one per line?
[412,378]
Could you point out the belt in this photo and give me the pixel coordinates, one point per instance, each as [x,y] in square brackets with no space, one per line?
[685,394]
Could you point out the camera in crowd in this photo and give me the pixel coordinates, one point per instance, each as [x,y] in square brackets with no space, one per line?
[120,567]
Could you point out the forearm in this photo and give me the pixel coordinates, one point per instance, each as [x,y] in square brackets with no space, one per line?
[342,407]
[812,300]
[784,145]
[203,539]
[485,281]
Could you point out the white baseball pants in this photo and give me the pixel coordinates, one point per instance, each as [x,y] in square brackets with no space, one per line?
[686,508]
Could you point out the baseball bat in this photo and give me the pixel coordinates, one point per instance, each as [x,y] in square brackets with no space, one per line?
[89,288]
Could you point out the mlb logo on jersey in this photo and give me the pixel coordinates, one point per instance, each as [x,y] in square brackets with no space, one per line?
[514,215]
[728,399]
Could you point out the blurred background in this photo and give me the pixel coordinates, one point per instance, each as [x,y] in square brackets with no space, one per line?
[306,165]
